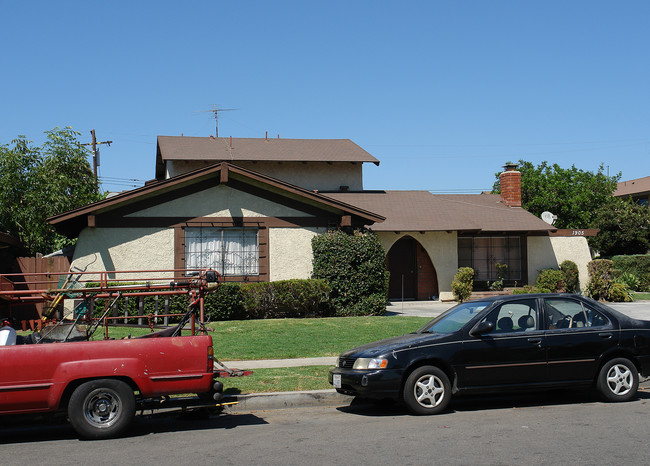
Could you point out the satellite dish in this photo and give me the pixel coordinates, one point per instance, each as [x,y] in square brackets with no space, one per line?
[549,217]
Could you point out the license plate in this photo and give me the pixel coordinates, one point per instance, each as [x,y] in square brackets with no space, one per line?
[336,380]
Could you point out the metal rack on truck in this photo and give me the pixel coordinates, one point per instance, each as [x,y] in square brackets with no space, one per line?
[102,383]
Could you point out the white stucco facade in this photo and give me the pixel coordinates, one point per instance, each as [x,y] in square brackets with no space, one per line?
[290,253]
[549,252]
[323,176]
[107,249]
[219,201]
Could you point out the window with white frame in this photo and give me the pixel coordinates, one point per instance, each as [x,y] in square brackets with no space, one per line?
[230,251]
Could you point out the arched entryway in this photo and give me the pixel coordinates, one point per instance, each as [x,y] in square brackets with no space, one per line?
[412,275]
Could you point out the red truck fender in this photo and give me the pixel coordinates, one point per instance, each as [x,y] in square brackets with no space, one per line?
[72,374]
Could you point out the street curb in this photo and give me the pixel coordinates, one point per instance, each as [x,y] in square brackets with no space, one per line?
[314,398]
[281,400]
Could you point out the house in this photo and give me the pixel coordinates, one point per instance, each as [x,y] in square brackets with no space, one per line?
[638,190]
[250,207]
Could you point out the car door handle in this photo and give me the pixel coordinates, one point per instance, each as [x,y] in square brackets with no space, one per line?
[605,335]
[535,341]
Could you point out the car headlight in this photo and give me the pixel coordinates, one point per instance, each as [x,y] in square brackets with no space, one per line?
[370,363]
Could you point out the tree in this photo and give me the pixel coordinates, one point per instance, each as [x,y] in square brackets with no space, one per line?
[573,195]
[624,228]
[39,182]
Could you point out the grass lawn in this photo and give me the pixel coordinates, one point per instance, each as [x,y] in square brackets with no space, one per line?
[303,338]
[286,379]
[640,296]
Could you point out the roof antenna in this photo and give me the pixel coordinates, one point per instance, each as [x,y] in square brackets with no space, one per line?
[215,111]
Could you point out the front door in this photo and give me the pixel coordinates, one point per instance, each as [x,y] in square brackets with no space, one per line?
[402,265]
[576,335]
[513,353]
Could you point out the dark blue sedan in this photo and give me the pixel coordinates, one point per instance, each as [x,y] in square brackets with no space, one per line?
[502,343]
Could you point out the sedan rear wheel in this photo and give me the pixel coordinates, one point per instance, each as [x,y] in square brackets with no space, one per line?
[427,390]
[618,380]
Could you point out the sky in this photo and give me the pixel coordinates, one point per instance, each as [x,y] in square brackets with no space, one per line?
[443,93]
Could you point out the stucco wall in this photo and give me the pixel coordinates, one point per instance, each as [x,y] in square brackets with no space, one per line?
[104,249]
[219,201]
[442,248]
[290,254]
[545,252]
[312,175]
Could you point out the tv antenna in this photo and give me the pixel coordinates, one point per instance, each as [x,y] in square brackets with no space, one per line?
[215,111]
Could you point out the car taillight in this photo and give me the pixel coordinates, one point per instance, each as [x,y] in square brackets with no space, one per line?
[210,359]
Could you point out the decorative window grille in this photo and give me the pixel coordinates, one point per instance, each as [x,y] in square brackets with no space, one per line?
[230,251]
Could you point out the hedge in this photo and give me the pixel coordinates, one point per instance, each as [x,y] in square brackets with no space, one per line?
[237,301]
[354,264]
[637,265]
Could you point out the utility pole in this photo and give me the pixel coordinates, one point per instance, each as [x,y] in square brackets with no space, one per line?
[96,152]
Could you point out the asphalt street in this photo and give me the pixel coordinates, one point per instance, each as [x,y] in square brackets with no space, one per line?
[563,427]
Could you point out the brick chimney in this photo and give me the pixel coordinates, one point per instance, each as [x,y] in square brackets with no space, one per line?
[510,181]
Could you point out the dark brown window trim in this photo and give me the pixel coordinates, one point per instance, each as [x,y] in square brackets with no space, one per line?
[262,238]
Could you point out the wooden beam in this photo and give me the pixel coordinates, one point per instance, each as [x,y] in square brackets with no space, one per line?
[223,178]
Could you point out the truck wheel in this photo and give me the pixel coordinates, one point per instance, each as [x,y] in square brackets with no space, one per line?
[101,408]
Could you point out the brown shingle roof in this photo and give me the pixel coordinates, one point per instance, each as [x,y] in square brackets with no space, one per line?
[633,187]
[261,149]
[423,211]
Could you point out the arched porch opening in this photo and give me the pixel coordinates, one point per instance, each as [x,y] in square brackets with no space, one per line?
[412,274]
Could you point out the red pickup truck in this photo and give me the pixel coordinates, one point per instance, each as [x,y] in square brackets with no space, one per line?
[102,383]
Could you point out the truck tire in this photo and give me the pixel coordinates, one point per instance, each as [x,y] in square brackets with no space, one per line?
[101,408]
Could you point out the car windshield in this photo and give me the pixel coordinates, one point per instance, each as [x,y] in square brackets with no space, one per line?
[455,318]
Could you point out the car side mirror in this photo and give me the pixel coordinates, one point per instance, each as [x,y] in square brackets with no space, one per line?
[481,328]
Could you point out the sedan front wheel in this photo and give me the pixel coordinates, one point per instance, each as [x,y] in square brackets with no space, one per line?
[427,390]
[618,380]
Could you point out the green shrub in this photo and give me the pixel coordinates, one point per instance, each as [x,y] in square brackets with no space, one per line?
[630,280]
[502,274]
[619,293]
[638,265]
[373,305]
[527,289]
[290,298]
[463,283]
[287,298]
[571,276]
[552,280]
[601,278]
[227,303]
[354,265]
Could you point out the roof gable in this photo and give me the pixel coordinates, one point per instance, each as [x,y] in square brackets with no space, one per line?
[72,222]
